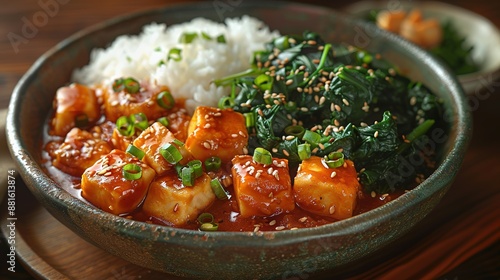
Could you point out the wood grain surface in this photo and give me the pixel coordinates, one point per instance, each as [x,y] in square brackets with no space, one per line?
[48,250]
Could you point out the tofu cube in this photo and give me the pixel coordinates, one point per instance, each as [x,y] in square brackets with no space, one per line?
[104,185]
[170,201]
[80,150]
[330,192]
[262,190]
[215,132]
[151,140]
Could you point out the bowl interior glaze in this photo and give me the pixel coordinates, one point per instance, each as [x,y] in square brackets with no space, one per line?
[230,255]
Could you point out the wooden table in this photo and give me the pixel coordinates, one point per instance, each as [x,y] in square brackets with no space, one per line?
[49,250]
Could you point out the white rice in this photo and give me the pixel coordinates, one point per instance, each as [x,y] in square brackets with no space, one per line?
[202,60]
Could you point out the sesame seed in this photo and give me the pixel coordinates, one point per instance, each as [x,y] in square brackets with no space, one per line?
[375,134]
[333,174]
[336,122]
[321,146]
[289,82]
[373,194]
[337,108]
[304,109]
[276,175]
[234,135]
[290,137]
[270,170]
[275,150]
[207,125]
[322,100]
[413,101]
[245,151]
[241,133]
[332,107]
[176,207]
[280,228]
[272,223]
[332,209]
[345,102]
[285,152]
[206,145]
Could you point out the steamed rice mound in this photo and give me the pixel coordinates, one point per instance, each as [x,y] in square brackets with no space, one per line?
[144,57]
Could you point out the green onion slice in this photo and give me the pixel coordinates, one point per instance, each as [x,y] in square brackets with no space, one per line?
[129,85]
[311,137]
[205,218]
[212,164]
[262,156]
[219,191]
[188,38]
[187,176]
[209,227]
[163,120]
[139,121]
[170,153]
[264,82]
[221,39]
[174,54]
[177,142]
[249,119]
[225,102]
[205,36]
[334,159]
[165,100]
[295,130]
[132,171]
[196,165]
[304,151]
[124,126]
[136,152]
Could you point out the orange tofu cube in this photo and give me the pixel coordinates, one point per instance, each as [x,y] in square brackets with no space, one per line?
[80,150]
[216,132]
[262,190]
[151,140]
[330,192]
[170,201]
[72,102]
[117,104]
[104,185]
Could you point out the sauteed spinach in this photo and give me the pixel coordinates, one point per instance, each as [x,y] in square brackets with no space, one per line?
[301,91]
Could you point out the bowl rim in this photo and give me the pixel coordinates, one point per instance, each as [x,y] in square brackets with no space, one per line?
[30,169]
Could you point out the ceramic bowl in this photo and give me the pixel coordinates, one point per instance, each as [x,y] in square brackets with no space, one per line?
[235,255]
[478,31]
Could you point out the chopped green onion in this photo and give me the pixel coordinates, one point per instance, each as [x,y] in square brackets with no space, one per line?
[187,176]
[205,218]
[304,151]
[209,227]
[139,120]
[170,153]
[178,169]
[165,100]
[264,82]
[81,120]
[188,38]
[174,54]
[262,156]
[136,152]
[311,137]
[124,126]
[212,164]
[205,36]
[197,167]
[132,171]
[282,42]
[219,191]
[249,119]
[225,102]
[221,39]
[207,222]
[295,130]
[129,85]
[163,120]
[178,142]
[334,159]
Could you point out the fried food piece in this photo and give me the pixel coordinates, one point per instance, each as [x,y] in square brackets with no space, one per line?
[105,185]
[330,192]
[262,190]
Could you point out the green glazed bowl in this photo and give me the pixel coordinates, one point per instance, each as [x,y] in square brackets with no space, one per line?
[236,255]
